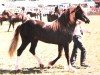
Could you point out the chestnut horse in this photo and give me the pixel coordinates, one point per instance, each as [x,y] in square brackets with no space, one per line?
[14,17]
[3,17]
[58,32]
[33,14]
[19,17]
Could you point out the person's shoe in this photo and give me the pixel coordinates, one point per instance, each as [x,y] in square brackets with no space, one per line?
[77,67]
[72,64]
[84,65]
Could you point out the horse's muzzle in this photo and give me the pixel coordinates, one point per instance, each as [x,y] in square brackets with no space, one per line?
[87,21]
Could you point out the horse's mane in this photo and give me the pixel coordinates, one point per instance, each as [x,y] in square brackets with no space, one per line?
[56,24]
[62,21]
[68,17]
[64,18]
[72,15]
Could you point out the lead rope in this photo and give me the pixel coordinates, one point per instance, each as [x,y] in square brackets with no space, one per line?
[81,30]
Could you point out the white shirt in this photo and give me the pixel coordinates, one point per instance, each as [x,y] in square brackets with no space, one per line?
[77,30]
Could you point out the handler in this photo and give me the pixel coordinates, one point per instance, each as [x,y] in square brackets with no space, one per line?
[77,37]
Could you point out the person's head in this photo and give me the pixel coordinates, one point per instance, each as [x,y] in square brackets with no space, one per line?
[23,8]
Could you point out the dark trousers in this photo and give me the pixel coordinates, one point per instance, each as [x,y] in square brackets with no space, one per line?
[78,44]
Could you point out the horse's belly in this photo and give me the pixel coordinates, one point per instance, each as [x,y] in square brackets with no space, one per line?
[52,37]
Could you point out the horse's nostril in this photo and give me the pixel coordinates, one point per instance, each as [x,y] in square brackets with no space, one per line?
[87,21]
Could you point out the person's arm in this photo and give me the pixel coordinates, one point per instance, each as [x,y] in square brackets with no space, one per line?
[86,31]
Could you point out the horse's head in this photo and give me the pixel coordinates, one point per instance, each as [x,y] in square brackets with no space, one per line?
[79,14]
[71,15]
[76,13]
[6,12]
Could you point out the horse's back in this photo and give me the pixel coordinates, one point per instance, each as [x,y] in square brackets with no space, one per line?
[36,31]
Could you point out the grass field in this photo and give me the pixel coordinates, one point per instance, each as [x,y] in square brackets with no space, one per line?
[47,52]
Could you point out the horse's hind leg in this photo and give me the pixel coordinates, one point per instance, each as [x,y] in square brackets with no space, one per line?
[32,50]
[60,48]
[11,23]
[25,42]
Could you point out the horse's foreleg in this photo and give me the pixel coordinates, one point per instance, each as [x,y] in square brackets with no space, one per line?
[39,61]
[32,50]
[66,50]
[59,55]
[9,27]
[25,42]
[17,63]
[1,22]
[13,25]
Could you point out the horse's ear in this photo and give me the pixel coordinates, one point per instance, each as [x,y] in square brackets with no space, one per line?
[78,6]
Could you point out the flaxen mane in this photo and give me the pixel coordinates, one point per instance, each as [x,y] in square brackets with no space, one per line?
[54,25]
[39,22]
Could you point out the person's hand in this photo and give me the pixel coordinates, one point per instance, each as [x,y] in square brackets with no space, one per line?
[78,22]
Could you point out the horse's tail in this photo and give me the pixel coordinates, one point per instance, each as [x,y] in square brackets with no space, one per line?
[14,42]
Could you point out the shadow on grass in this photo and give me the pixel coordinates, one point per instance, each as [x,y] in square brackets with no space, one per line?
[22,71]
[34,70]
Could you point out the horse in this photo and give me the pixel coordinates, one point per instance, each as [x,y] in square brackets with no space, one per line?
[19,17]
[15,17]
[3,17]
[51,17]
[33,14]
[59,32]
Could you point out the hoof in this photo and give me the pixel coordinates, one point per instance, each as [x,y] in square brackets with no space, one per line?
[41,66]
[51,63]
[70,69]
[49,66]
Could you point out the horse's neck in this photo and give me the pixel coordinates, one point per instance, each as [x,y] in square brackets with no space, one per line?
[70,28]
